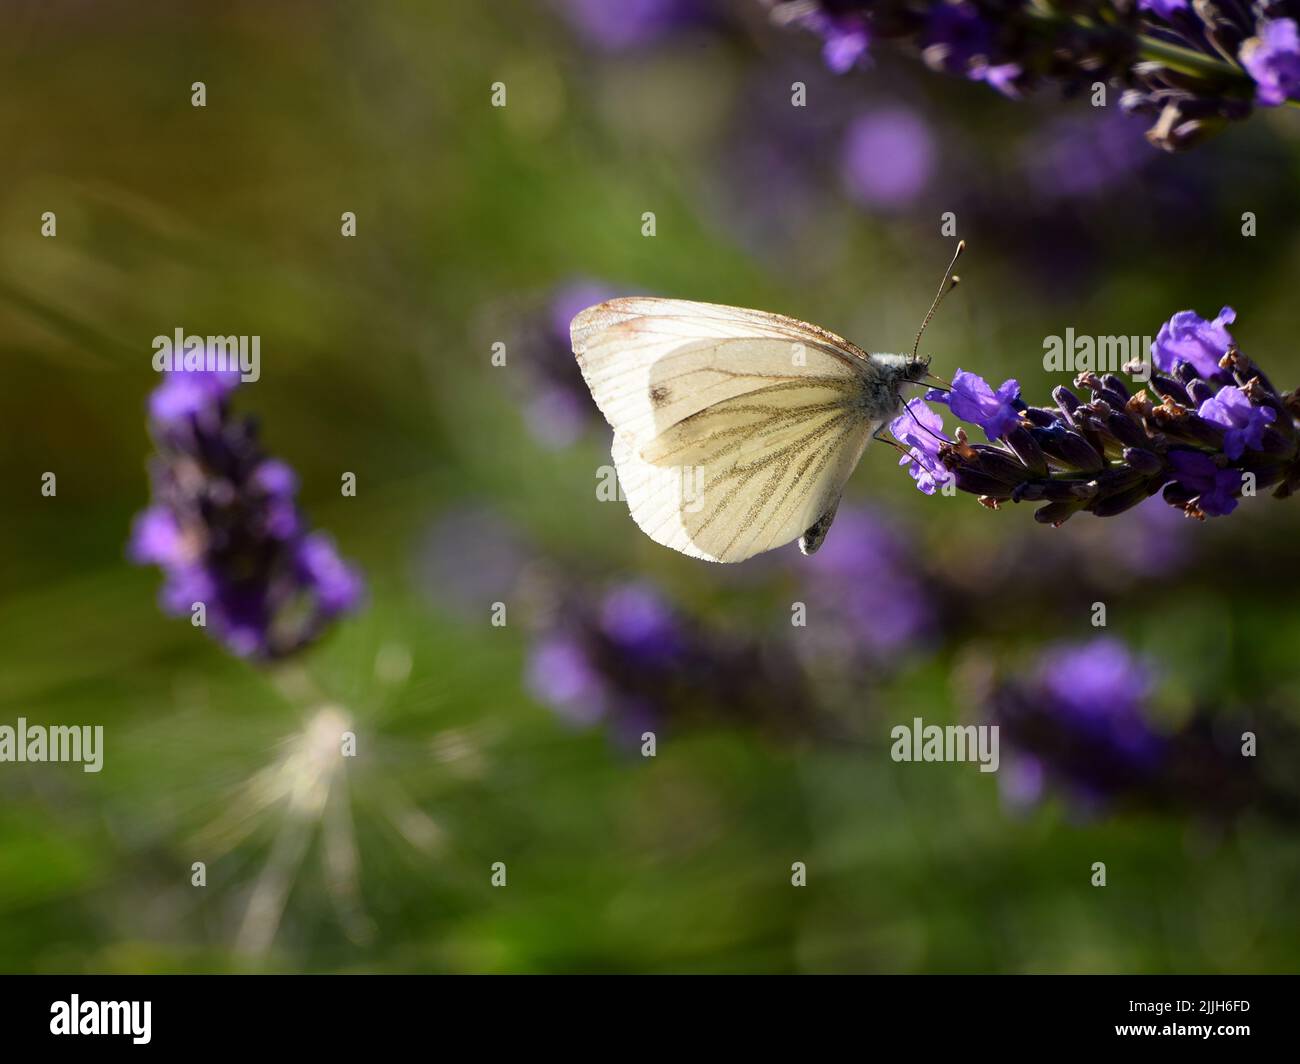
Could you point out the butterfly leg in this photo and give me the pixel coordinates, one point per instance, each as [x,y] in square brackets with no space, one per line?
[877,435]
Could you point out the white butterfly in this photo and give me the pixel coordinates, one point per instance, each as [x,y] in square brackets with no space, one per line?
[735,430]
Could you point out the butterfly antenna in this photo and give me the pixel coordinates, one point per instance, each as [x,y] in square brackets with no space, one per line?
[949,282]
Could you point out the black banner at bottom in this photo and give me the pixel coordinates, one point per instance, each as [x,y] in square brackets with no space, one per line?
[342,1012]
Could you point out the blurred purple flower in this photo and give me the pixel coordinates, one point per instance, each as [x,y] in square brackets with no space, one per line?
[866,593]
[1084,155]
[1004,77]
[1244,421]
[888,157]
[1187,337]
[637,620]
[156,538]
[629,660]
[972,399]
[185,395]
[560,674]
[628,24]
[1079,720]
[470,557]
[1272,58]
[1151,538]
[1098,684]
[1164,8]
[1215,488]
[570,299]
[1021,781]
[1016,47]
[557,417]
[557,405]
[225,528]
[845,40]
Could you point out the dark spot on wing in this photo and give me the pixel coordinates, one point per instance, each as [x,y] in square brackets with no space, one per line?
[658,395]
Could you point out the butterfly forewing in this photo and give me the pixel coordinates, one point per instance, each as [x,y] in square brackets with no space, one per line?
[735,430]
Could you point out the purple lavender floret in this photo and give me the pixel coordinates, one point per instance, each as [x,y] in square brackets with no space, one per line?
[1213,488]
[921,430]
[226,530]
[1211,428]
[1244,421]
[1189,338]
[973,399]
[1272,58]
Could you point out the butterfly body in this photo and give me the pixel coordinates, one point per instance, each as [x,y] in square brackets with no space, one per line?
[735,430]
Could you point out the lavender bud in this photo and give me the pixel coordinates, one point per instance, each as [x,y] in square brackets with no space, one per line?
[1168,388]
[1027,450]
[1067,401]
[1069,449]
[971,479]
[1055,513]
[1113,384]
[1042,417]
[1126,430]
[1143,461]
[1050,490]
[1121,501]
[996,463]
[1203,432]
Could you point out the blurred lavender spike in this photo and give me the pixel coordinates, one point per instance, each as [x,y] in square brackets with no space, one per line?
[1192,67]
[623,657]
[225,528]
[1079,720]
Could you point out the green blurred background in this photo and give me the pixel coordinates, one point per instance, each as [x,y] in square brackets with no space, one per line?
[376,359]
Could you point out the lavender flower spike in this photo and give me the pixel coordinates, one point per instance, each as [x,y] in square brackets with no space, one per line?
[1213,429]
[225,528]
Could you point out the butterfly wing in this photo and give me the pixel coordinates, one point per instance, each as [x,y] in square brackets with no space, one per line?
[734,430]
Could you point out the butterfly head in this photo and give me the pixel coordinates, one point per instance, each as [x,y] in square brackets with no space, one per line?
[915,368]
